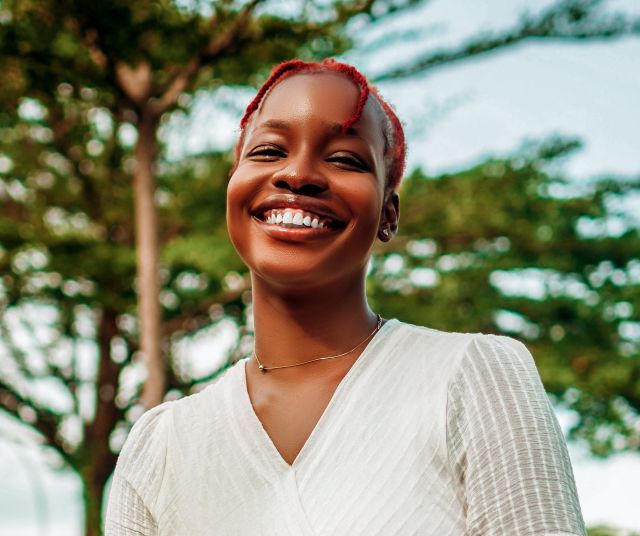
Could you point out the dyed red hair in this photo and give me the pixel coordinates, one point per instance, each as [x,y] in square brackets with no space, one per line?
[395,147]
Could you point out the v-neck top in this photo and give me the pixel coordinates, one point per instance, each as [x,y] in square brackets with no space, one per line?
[429,433]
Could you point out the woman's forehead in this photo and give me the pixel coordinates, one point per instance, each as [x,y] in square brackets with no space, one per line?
[327,99]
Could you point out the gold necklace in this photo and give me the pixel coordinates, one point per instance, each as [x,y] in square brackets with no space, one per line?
[265,369]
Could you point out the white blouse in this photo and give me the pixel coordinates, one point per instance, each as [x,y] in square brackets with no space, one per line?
[430,433]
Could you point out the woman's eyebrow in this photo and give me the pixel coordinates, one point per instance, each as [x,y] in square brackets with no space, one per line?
[275,124]
[336,128]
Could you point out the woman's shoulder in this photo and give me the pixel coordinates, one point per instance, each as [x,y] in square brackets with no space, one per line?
[205,409]
[460,349]
[145,447]
[423,331]
[141,457]
[495,351]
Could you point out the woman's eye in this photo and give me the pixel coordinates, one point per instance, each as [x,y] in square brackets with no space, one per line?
[349,160]
[266,152]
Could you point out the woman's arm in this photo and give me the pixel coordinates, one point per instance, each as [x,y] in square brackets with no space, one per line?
[127,513]
[137,477]
[506,446]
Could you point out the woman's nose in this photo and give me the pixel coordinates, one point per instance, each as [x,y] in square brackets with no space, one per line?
[301,176]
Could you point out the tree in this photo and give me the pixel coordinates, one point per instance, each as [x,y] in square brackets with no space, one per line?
[86,89]
[510,247]
[609,531]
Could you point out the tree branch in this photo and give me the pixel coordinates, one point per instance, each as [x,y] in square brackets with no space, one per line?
[400,36]
[572,20]
[192,321]
[18,355]
[46,422]
[135,82]
[91,33]
[96,433]
[376,11]
[215,48]
[233,355]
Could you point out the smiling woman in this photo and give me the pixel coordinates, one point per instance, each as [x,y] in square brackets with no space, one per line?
[341,423]
[296,157]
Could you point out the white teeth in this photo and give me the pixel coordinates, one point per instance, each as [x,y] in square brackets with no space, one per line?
[294,218]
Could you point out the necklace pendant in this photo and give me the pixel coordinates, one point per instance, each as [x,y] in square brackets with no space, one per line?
[262,369]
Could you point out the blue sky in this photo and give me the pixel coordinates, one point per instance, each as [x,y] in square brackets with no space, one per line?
[490,105]
[455,117]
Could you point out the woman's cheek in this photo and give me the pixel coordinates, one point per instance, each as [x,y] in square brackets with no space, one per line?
[366,205]
[237,205]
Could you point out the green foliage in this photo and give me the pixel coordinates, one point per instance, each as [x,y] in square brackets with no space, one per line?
[509,247]
[609,531]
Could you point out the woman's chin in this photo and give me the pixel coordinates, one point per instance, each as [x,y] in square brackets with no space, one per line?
[300,277]
[302,259]
[292,275]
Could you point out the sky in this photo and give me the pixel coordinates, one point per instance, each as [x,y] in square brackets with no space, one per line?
[463,113]
[455,117]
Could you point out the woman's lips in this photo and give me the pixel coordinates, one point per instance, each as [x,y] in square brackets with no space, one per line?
[296,218]
[281,204]
[294,234]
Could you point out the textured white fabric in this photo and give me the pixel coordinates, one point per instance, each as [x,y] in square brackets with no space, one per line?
[430,433]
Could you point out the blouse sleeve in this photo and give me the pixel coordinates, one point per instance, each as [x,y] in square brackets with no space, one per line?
[127,513]
[137,477]
[506,447]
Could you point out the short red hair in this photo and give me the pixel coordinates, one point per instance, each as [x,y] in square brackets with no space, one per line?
[395,146]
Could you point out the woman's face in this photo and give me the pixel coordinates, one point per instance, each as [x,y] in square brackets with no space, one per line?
[305,201]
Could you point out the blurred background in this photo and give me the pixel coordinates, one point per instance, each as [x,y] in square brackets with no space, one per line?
[520,214]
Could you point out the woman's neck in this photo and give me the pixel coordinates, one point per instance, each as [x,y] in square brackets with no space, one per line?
[291,327]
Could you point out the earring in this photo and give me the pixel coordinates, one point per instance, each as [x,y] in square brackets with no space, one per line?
[385,232]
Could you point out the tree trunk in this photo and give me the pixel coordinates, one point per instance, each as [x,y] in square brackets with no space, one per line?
[96,461]
[148,287]
[93,495]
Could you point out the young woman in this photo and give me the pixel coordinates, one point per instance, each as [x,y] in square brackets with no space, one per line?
[342,423]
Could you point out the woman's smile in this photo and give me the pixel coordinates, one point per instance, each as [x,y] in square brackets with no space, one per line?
[296,218]
[295,233]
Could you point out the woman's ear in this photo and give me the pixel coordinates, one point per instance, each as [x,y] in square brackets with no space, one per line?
[389,216]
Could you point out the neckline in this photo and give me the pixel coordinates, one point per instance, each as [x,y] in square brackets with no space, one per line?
[260,436]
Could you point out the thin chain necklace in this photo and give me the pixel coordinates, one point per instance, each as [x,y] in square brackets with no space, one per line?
[368,337]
